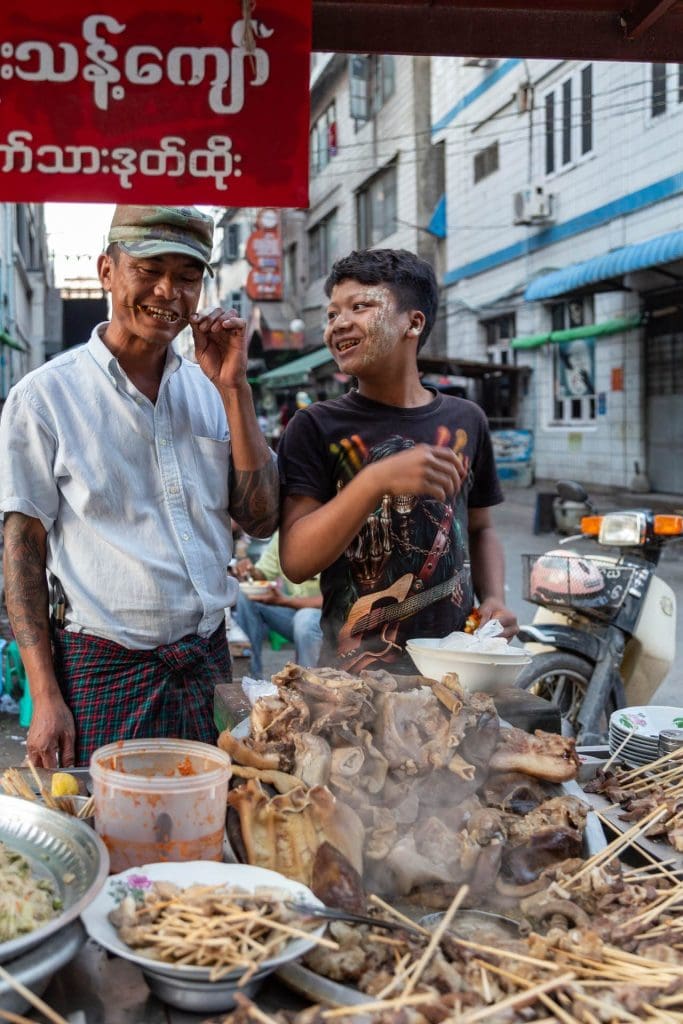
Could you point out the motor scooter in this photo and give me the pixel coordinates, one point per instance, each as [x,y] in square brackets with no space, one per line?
[605,632]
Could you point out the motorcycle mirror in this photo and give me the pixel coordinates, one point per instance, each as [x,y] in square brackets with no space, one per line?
[570,490]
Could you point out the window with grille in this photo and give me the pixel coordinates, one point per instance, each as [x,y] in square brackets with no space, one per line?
[376,208]
[666,88]
[323,139]
[372,81]
[485,162]
[569,120]
[322,246]
[231,243]
[499,332]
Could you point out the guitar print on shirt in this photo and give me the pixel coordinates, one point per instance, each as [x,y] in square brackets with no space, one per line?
[406,532]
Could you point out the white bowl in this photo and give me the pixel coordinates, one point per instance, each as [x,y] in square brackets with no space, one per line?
[483,672]
[256,589]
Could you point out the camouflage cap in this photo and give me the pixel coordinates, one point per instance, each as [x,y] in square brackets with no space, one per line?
[155,230]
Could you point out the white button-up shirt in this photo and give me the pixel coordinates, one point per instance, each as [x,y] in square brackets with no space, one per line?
[133,494]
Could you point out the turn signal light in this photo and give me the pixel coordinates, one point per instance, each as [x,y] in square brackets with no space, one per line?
[668,526]
[590,525]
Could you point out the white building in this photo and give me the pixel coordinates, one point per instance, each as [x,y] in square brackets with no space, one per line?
[27,320]
[375,177]
[564,199]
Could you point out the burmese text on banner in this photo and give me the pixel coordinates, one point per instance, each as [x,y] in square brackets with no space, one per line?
[158,101]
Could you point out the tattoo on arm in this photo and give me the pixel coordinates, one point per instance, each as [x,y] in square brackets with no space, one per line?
[254,498]
[26,591]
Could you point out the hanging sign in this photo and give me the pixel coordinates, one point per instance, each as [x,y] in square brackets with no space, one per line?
[155,101]
[264,254]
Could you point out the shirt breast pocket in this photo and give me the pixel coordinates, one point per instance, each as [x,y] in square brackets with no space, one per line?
[212,458]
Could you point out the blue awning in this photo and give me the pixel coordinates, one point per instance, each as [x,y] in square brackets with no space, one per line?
[437,224]
[654,252]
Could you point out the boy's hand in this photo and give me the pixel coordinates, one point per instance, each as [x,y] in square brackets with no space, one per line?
[492,608]
[425,469]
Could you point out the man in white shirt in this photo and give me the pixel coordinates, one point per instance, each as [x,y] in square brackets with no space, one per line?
[122,466]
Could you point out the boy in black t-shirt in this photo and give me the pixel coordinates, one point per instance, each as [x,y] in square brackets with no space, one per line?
[387,490]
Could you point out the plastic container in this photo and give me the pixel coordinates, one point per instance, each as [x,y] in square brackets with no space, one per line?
[160,800]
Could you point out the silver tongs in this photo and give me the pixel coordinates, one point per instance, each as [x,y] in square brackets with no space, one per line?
[337,914]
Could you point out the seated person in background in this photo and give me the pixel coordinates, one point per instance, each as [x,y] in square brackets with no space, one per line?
[291,609]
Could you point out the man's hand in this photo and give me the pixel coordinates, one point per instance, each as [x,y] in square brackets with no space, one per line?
[220,342]
[51,738]
[270,595]
[425,469]
[492,608]
[244,569]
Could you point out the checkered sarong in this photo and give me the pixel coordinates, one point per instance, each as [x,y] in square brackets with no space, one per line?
[115,693]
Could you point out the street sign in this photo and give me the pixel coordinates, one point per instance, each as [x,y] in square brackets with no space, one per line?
[264,254]
[158,101]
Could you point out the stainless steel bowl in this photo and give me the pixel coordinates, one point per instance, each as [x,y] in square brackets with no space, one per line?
[201,996]
[35,968]
[60,848]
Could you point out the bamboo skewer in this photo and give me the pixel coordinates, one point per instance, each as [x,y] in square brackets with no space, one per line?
[674,755]
[417,999]
[528,996]
[622,841]
[645,854]
[619,749]
[549,1003]
[511,954]
[253,1010]
[36,1002]
[14,1018]
[433,943]
[658,906]
[393,912]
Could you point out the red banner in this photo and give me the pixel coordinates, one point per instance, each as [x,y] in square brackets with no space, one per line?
[157,101]
[264,253]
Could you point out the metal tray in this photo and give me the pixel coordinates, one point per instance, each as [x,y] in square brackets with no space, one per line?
[660,849]
[35,968]
[58,847]
[45,776]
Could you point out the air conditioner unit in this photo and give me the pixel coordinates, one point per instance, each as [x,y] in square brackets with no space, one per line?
[533,205]
[479,62]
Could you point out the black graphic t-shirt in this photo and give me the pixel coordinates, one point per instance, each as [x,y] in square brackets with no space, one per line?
[406,573]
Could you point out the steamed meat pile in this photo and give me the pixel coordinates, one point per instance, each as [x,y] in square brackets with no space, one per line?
[400,785]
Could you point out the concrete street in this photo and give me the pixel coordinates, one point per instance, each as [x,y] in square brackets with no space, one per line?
[514,521]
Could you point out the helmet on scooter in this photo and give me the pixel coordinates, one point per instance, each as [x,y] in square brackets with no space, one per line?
[565,578]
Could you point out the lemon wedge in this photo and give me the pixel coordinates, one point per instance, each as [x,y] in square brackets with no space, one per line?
[64,784]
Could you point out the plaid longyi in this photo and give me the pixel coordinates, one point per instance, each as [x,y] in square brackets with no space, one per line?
[115,693]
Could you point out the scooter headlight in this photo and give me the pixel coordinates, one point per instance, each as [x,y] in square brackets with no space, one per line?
[623,529]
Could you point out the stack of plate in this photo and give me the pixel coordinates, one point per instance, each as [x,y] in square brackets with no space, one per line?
[636,730]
